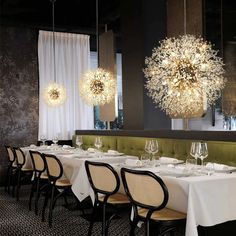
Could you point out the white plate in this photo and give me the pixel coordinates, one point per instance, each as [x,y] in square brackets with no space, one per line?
[113,154]
[228,170]
[170,162]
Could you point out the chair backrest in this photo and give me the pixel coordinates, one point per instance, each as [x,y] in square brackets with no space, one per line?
[145,189]
[38,162]
[10,154]
[20,156]
[53,166]
[102,177]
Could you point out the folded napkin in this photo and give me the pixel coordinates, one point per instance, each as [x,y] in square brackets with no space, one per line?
[91,150]
[33,146]
[112,152]
[66,146]
[217,166]
[132,162]
[168,160]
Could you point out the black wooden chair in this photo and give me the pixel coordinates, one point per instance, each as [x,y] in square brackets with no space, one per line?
[23,173]
[58,186]
[40,178]
[149,196]
[105,183]
[11,170]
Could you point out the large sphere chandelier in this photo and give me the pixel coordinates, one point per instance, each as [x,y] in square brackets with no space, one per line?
[54,94]
[97,87]
[182,74]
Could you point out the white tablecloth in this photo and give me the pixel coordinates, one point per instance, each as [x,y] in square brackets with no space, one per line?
[207,200]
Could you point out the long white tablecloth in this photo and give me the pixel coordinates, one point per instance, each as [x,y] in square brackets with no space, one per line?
[207,200]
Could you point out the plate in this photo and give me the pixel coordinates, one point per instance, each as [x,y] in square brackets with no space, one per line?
[228,170]
[170,162]
[113,154]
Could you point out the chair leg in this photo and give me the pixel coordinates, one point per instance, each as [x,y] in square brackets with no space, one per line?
[147,228]
[94,213]
[7,184]
[104,220]
[31,194]
[44,206]
[18,184]
[37,197]
[51,207]
[133,225]
[13,183]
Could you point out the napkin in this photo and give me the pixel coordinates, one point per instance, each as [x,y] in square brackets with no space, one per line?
[168,160]
[33,146]
[217,166]
[112,152]
[91,150]
[66,146]
[131,162]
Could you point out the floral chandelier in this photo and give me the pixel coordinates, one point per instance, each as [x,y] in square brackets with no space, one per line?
[183,74]
[97,87]
[54,94]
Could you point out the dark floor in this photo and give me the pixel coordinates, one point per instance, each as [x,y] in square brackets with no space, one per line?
[16,219]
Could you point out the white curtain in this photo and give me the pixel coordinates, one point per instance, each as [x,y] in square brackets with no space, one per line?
[72,57]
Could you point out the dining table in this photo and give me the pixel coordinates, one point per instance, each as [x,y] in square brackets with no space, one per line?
[208,198]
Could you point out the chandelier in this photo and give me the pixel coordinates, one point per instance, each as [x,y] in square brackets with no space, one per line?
[183,74]
[97,87]
[54,93]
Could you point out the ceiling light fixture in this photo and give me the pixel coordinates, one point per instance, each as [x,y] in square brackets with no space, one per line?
[54,93]
[183,74]
[97,87]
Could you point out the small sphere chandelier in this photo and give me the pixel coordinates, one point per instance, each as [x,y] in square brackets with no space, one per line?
[97,87]
[54,93]
[182,74]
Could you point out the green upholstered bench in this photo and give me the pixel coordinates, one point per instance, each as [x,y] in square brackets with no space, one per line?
[219,151]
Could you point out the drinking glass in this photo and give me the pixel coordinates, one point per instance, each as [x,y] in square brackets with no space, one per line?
[194,150]
[55,140]
[203,151]
[43,139]
[191,164]
[153,147]
[79,141]
[148,147]
[98,142]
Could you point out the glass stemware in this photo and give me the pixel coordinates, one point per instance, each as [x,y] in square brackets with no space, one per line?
[194,150]
[153,147]
[203,151]
[55,140]
[43,139]
[148,147]
[79,141]
[98,143]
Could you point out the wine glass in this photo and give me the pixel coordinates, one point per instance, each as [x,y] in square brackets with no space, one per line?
[194,150]
[148,147]
[55,140]
[98,143]
[203,151]
[79,141]
[153,147]
[43,139]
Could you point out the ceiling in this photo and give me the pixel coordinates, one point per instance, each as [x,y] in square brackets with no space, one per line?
[71,16]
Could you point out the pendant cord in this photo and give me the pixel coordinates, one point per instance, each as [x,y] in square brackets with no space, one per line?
[185,17]
[97,32]
[53,38]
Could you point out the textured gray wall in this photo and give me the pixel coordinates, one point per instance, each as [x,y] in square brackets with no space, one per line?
[18,89]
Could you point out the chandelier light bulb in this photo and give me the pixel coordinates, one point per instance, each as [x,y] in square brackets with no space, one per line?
[182,73]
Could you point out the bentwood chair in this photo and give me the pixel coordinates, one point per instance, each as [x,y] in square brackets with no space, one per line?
[40,178]
[58,186]
[22,172]
[105,183]
[149,196]
[11,169]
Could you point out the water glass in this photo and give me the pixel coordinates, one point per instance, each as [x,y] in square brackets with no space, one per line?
[191,164]
[98,142]
[145,158]
[79,141]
